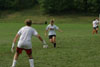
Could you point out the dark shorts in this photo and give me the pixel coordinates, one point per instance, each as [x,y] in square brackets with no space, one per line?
[28,51]
[94,28]
[97,27]
[50,36]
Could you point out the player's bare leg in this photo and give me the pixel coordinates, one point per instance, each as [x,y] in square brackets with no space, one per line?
[93,31]
[15,59]
[97,30]
[31,60]
[54,41]
[16,56]
[51,40]
[30,56]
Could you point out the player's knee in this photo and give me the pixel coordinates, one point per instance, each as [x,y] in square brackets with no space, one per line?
[30,57]
[54,41]
[17,54]
[51,41]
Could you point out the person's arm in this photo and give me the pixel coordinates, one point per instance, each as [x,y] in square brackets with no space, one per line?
[99,22]
[14,41]
[16,37]
[43,41]
[40,38]
[46,32]
[60,30]
[92,24]
[35,33]
[57,28]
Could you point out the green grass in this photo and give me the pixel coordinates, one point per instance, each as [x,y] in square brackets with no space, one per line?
[37,15]
[76,47]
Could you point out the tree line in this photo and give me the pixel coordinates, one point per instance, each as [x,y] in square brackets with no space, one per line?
[54,6]
[16,4]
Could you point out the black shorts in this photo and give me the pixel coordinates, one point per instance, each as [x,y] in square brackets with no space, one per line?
[97,27]
[94,28]
[50,36]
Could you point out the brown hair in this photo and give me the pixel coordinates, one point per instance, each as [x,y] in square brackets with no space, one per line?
[28,22]
[52,20]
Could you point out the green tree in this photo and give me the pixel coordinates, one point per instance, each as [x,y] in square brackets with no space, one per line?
[85,5]
[62,6]
[58,6]
[16,4]
[98,5]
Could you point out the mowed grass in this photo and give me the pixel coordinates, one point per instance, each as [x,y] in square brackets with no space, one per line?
[76,46]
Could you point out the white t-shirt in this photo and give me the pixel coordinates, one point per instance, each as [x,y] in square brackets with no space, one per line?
[94,23]
[26,33]
[52,29]
[97,22]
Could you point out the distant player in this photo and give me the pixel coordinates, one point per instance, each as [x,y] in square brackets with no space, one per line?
[50,29]
[24,43]
[95,24]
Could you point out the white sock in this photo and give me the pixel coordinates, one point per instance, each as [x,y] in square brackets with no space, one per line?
[14,63]
[31,62]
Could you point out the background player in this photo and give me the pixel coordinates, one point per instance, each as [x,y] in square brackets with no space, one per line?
[51,32]
[95,24]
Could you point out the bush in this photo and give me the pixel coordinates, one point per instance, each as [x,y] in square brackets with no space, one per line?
[16,4]
[58,6]
[64,6]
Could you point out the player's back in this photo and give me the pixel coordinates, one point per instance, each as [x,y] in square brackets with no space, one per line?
[26,33]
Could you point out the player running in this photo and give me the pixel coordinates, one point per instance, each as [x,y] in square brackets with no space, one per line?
[51,32]
[97,22]
[95,26]
[24,43]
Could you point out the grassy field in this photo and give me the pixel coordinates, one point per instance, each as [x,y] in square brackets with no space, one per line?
[76,46]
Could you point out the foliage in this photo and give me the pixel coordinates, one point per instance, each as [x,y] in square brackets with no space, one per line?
[54,7]
[64,6]
[16,4]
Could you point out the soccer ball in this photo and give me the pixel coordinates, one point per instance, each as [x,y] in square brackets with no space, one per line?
[45,46]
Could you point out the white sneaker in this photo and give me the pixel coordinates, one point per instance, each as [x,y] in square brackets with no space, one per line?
[45,46]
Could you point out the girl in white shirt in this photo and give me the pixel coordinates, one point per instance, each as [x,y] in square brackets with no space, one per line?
[50,29]
[95,26]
